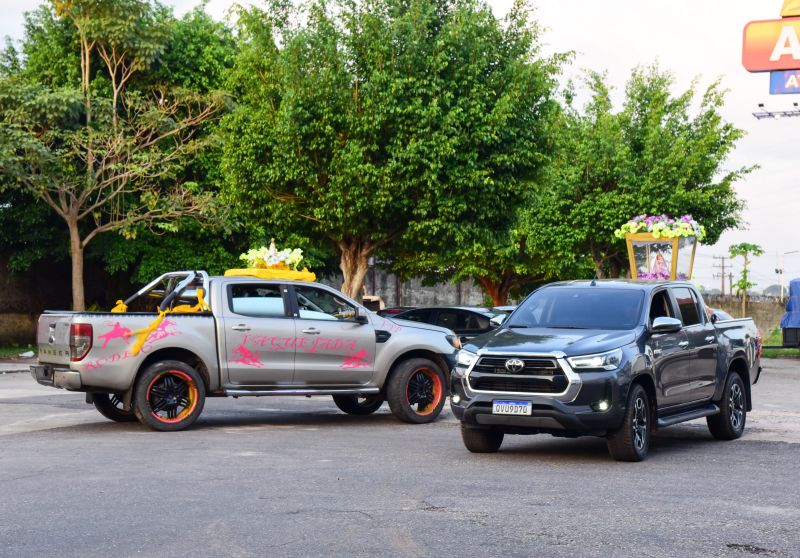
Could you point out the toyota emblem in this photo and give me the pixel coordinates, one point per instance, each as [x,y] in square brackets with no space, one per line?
[514,365]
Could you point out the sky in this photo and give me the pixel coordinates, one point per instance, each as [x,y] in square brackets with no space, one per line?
[693,39]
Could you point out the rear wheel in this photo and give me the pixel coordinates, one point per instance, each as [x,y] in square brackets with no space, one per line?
[358,404]
[110,406]
[169,396]
[729,423]
[632,441]
[416,391]
[481,440]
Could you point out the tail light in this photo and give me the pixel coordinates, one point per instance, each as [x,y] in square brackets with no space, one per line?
[759,344]
[80,341]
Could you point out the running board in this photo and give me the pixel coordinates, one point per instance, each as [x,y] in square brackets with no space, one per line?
[307,392]
[705,411]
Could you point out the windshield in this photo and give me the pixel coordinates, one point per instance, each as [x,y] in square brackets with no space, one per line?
[579,307]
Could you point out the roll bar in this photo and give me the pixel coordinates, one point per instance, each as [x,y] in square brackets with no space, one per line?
[186,279]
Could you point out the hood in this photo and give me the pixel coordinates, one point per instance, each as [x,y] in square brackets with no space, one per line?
[572,342]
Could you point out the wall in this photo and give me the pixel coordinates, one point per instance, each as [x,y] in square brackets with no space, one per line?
[766,314]
[413,293]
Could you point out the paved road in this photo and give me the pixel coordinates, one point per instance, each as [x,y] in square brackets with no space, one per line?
[294,477]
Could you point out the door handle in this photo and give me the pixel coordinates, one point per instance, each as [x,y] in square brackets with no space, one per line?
[240,327]
[710,339]
[311,331]
[683,344]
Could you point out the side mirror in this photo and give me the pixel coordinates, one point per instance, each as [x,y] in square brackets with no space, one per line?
[664,324]
[497,321]
[714,318]
[361,316]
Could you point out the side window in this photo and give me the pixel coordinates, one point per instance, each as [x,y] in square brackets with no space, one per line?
[261,301]
[475,321]
[415,316]
[317,304]
[660,307]
[687,305]
[452,319]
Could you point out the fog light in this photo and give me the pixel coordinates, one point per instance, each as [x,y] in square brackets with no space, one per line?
[600,405]
[456,398]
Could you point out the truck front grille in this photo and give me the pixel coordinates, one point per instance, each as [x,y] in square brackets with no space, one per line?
[538,375]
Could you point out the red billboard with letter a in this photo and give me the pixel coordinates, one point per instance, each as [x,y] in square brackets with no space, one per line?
[772,45]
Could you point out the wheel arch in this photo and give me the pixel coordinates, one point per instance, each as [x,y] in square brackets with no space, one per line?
[438,359]
[181,355]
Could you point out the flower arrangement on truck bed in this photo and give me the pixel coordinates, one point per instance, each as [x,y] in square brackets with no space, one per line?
[661,226]
[271,263]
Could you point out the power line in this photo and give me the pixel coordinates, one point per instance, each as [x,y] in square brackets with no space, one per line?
[721,274]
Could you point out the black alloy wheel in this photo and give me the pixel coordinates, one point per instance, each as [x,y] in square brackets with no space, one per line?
[729,423]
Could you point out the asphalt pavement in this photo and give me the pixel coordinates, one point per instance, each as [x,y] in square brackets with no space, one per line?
[296,477]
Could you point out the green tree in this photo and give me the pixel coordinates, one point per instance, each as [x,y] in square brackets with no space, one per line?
[105,162]
[377,121]
[654,156]
[745,250]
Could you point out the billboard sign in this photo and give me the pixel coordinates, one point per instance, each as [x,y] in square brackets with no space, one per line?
[772,45]
[781,83]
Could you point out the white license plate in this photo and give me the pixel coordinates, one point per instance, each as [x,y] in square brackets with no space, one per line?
[511,408]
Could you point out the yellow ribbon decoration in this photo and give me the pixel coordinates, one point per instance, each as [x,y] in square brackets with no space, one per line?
[120,308]
[143,334]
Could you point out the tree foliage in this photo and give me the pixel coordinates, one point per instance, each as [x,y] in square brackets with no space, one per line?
[652,157]
[106,162]
[378,121]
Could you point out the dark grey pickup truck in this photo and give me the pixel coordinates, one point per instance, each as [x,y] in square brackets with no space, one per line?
[618,359]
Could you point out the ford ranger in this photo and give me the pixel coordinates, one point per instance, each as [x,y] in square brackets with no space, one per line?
[618,359]
[253,337]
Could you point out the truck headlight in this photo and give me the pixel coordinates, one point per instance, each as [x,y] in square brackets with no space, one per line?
[454,341]
[466,358]
[601,361]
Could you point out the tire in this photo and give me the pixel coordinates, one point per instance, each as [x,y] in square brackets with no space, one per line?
[481,440]
[357,404]
[110,406]
[729,423]
[169,396]
[632,440]
[416,391]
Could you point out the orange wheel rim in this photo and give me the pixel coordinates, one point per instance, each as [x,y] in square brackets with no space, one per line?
[172,396]
[424,389]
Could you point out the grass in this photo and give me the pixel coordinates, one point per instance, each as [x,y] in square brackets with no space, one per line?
[8,351]
[776,338]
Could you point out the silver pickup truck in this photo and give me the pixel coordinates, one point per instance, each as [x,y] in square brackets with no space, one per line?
[242,336]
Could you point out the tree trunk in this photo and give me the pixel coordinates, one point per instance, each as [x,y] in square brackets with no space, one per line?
[497,291]
[76,254]
[354,263]
[597,258]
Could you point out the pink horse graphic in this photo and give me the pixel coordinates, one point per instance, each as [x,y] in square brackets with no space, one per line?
[356,360]
[117,332]
[248,357]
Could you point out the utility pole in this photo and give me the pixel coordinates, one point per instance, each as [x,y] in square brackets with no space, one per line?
[721,274]
[730,282]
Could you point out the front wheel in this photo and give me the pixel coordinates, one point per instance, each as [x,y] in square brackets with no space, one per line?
[632,441]
[169,396]
[481,440]
[358,404]
[416,391]
[111,407]
[729,423]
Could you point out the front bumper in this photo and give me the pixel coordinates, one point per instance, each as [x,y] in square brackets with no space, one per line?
[56,377]
[572,413]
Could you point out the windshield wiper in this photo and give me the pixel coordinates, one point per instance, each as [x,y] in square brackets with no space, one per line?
[518,326]
[566,327]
